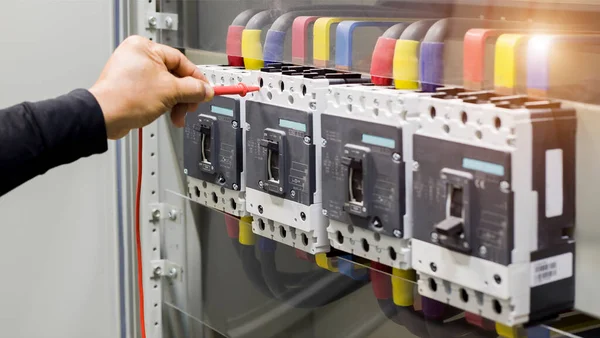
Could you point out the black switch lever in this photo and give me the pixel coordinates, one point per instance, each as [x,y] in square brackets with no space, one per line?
[451,227]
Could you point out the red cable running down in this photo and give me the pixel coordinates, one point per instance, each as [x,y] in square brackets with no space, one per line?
[138,240]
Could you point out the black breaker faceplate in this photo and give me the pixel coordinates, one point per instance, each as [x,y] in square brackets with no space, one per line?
[278,131]
[382,202]
[225,149]
[488,217]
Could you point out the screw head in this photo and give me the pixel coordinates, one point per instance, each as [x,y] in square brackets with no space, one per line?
[260,209]
[350,99]
[235,124]
[157,271]
[235,186]
[324,212]
[376,103]
[312,105]
[173,273]
[307,139]
[433,267]
[435,237]
[280,189]
[155,215]
[482,250]
[397,233]
[415,166]
[152,21]
[396,157]
[185,171]
[465,245]
[324,143]
[261,184]
[169,22]
[505,187]
[173,215]
[293,193]
[247,126]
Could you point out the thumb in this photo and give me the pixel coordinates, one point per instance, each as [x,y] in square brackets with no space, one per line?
[192,90]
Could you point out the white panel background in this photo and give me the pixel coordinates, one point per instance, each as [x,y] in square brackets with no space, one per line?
[59,264]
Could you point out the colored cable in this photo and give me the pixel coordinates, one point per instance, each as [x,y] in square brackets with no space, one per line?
[508,64]
[432,73]
[405,67]
[539,52]
[348,268]
[300,38]
[344,39]
[322,33]
[233,47]
[275,40]
[138,237]
[382,60]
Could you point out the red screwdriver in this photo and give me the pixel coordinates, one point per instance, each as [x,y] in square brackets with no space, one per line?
[240,89]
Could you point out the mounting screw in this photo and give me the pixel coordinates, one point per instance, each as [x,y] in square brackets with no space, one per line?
[173,215]
[157,271]
[293,193]
[415,166]
[235,124]
[152,21]
[260,209]
[235,186]
[169,22]
[376,103]
[482,250]
[280,188]
[173,273]
[261,184]
[396,157]
[155,215]
[324,143]
[397,233]
[435,237]
[307,139]
[465,245]
[185,171]
[312,106]
[247,126]
[504,187]
[324,212]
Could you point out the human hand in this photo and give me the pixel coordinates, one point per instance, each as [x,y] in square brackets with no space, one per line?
[143,80]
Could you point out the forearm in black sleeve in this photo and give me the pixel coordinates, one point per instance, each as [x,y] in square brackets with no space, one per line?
[36,137]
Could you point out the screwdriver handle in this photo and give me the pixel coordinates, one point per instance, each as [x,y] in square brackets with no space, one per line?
[240,89]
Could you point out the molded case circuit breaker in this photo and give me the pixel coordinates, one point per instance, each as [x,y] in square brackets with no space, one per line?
[494,200]
[284,154]
[214,145]
[367,159]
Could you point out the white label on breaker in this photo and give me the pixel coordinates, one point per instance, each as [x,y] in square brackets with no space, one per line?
[554,183]
[551,269]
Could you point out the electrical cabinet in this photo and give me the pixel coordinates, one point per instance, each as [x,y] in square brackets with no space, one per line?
[405,169]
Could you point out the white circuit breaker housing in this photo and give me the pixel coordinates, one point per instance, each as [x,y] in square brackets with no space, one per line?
[494,204]
[367,159]
[283,150]
[214,145]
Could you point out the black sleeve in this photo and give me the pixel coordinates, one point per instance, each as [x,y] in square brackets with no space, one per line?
[36,137]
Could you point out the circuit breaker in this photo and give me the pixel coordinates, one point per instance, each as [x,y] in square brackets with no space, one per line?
[214,145]
[367,159]
[494,203]
[283,154]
